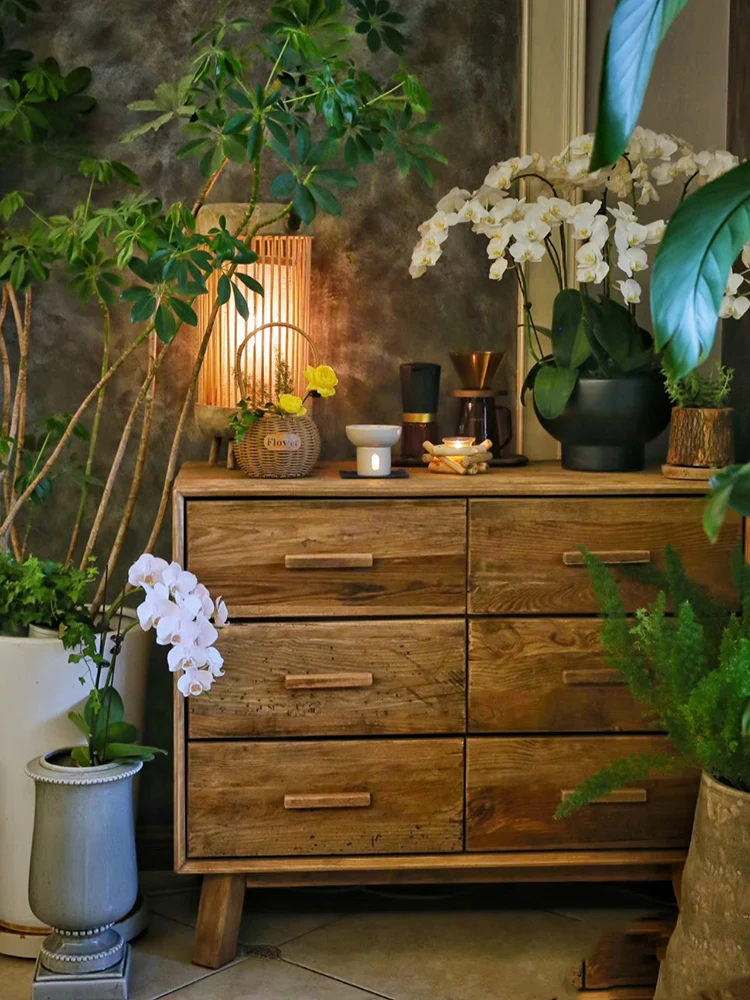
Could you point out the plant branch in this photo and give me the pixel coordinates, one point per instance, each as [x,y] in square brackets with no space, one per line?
[135,485]
[208,187]
[92,442]
[119,455]
[66,435]
[5,360]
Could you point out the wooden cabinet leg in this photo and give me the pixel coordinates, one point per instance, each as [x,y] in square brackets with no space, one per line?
[219,918]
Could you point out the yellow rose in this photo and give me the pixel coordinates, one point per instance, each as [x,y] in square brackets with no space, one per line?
[292,404]
[321,380]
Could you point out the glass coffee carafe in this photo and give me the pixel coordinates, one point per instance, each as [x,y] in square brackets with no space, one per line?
[480,416]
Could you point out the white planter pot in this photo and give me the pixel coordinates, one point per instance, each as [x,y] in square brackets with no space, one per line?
[39,688]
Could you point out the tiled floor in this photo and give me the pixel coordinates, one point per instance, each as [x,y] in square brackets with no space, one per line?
[490,943]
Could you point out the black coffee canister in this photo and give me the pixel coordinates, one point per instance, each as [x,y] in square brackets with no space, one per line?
[420,395]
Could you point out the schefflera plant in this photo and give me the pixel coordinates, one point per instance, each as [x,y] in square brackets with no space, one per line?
[290,103]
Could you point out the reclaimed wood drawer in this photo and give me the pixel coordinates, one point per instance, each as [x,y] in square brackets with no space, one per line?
[524,558]
[329,558]
[323,798]
[342,678]
[514,785]
[546,675]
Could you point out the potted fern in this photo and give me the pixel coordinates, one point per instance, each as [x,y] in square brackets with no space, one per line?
[691,671]
[701,433]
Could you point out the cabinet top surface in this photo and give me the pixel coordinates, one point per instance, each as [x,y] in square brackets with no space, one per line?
[202,480]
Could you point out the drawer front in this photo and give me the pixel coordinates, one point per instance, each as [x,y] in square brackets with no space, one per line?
[514,785]
[331,558]
[522,553]
[545,675]
[332,797]
[337,679]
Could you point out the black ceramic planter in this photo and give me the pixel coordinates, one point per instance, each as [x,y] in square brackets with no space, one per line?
[608,422]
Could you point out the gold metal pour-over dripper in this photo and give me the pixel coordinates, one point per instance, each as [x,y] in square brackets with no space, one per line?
[476,369]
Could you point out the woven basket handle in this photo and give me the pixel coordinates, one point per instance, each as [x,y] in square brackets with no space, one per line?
[241,380]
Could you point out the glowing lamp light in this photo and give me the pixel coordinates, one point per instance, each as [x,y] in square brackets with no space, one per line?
[373,443]
[283,269]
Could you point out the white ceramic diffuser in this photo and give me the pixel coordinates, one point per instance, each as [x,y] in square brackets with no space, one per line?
[373,443]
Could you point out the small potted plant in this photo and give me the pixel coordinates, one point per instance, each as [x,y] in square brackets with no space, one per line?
[700,438]
[691,671]
[274,436]
[83,876]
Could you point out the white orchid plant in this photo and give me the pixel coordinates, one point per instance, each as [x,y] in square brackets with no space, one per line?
[594,327]
[184,616]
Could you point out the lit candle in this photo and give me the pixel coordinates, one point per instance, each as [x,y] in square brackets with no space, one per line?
[459,442]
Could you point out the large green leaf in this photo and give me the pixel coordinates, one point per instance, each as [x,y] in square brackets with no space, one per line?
[730,489]
[570,345]
[701,244]
[635,34]
[553,388]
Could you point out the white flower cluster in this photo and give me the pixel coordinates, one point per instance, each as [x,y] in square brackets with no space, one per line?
[185,618]
[519,232]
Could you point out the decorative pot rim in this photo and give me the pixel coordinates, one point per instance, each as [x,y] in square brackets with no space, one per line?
[704,409]
[723,788]
[43,770]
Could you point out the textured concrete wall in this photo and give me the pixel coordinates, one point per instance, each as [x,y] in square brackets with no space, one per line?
[369,315]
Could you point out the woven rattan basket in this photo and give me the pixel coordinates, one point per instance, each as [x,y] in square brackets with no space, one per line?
[277,447]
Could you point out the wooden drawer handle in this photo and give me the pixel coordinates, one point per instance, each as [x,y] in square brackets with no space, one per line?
[611,558]
[329,560]
[314,682]
[604,677]
[621,796]
[335,800]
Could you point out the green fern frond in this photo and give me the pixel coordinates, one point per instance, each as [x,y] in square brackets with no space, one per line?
[614,776]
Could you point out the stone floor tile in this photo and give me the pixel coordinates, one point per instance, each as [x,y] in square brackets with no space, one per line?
[15,978]
[262,979]
[454,954]
[269,918]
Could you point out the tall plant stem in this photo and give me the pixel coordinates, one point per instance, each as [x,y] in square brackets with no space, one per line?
[203,347]
[5,361]
[22,385]
[135,486]
[555,258]
[208,187]
[92,441]
[120,454]
[67,433]
[16,442]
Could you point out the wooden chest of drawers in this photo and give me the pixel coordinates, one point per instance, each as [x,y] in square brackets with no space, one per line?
[414,681]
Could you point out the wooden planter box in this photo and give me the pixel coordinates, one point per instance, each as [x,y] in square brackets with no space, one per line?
[700,440]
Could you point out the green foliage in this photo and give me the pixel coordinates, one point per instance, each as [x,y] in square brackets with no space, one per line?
[43,593]
[701,390]
[690,670]
[701,244]
[97,644]
[601,338]
[635,33]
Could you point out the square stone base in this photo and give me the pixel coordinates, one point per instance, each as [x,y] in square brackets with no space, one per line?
[112,984]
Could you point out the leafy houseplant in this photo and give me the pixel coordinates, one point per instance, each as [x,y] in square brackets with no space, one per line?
[596,355]
[700,436]
[691,671]
[692,273]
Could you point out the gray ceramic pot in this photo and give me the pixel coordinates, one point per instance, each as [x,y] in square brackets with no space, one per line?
[83,875]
